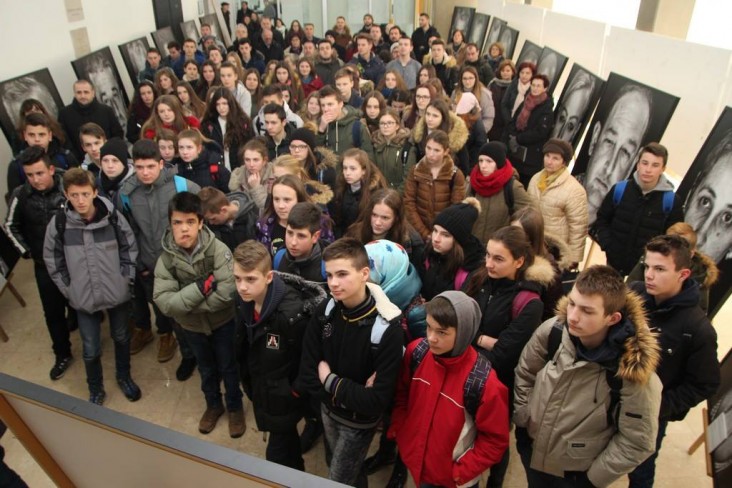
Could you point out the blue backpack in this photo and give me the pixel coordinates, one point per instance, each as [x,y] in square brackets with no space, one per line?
[668,197]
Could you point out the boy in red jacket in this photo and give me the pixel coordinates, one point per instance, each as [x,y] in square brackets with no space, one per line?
[445,384]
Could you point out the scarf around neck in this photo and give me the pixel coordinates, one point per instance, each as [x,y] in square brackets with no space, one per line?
[530,102]
[546,179]
[487,186]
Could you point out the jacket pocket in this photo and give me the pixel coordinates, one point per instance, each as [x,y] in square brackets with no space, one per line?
[584,448]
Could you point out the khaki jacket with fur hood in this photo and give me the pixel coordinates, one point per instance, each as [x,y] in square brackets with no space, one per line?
[563,402]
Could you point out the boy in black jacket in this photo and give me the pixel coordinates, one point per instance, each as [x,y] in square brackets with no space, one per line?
[232,217]
[303,251]
[350,360]
[272,311]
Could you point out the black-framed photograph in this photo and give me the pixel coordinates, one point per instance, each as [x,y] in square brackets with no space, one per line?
[478,30]
[508,38]
[629,115]
[719,416]
[213,21]
[494,32]
[9,256]
[190,30]
[161,38]
[576,104]
[461,20]
[705,191]
[99,68]
[551,64]
[530,53]
[134,55]
[39,85]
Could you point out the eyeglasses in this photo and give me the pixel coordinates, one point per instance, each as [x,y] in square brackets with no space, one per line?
[298,147]
[387,123]
[422,97]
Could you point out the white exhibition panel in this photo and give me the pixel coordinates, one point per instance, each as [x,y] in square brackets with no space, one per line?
[529,21]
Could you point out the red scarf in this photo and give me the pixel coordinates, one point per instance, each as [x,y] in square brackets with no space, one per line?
[530,102]
[487,186]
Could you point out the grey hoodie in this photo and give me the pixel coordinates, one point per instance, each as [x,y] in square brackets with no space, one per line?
[468,315]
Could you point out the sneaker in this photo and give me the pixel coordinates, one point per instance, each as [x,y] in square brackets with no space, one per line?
[166,347]
[97,397]
[310,434]
[383,457]
[60,367]
[237,424]
[209,419]
[140,338]
[129,388]
[186,369]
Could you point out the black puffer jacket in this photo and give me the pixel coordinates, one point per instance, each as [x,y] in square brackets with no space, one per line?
[269,350]
[689,369]
[533,137]
[73,116]
[244,225]
[431,269]
[623,231]
[29,213]
[207,169]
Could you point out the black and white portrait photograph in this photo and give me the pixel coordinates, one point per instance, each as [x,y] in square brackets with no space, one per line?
[530,53]
[495,31]
[461,18]
[99,68]
[161,38]
[508,38]
[190,30]
[551,63]
[707,209]
[720,423]
[38,85]
[134,54]
[628,116]
[213,21]
[478,30]
[575,106]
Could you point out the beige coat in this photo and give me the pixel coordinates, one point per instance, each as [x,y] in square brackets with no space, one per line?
[564,207]
[563,402]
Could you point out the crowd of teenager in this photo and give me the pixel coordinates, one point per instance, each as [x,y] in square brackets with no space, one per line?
[345,230]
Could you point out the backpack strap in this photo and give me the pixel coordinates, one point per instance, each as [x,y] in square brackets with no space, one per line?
[618,192]
[668,202]
[475,384]
[322,270]
[125,198]
[278,258]
[181,184]
[508,195]
[61,225]
[616,384]
[418,354]
[555,339]
[356,133]
[405,153]
[521,299]
[460,277]
[377,331]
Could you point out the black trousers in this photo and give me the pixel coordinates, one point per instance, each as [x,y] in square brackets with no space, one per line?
[54,309]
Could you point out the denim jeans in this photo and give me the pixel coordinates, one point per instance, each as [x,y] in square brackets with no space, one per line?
[217,361]
[643,475]
[54,310]
[284,448]
[348,447]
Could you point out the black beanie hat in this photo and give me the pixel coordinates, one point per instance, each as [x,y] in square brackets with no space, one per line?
[558,146]
[496,151]
[458,219]
[117,148]
[304,135]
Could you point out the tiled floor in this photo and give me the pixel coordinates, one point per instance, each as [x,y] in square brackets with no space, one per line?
[178,406]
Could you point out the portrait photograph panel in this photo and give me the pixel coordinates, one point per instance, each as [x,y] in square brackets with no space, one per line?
[551,63]
[719,413]
[494,32]
[161,38]
[190,30]
[99,68]
[38,85]
[530,53]
[478,30]
[508,38]
[576,104]
[629,115]
[134,55]
[705,191]
[461,19]
[213,21]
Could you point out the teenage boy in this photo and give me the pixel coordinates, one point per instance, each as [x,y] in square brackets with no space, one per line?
[143,199]
[153,61]
[90,252]
[37,130]
[404,64]
[276,130]
[249,57]
[31,207]
[438,399]
[345,84]
[586,394]
[92,139]
[273,94]
[303,251]
[194,284]
[340,126]
[350,360]
[190,53]
[689,369]
[369,64]
[272,313]
[445,65]
[232,218]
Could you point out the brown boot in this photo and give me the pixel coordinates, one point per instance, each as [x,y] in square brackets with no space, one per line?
[140,338]
[209,419]
[237,423]
[166,347]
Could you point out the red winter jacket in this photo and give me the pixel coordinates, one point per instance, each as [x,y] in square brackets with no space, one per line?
[429,417]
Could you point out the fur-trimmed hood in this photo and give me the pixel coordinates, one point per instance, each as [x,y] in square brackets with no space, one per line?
[458,133]
[447,60]
[379,140]
[319,192]
[559,250]
[311,293]
[326,158]
[541,272]
[642,352]
[707,267]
